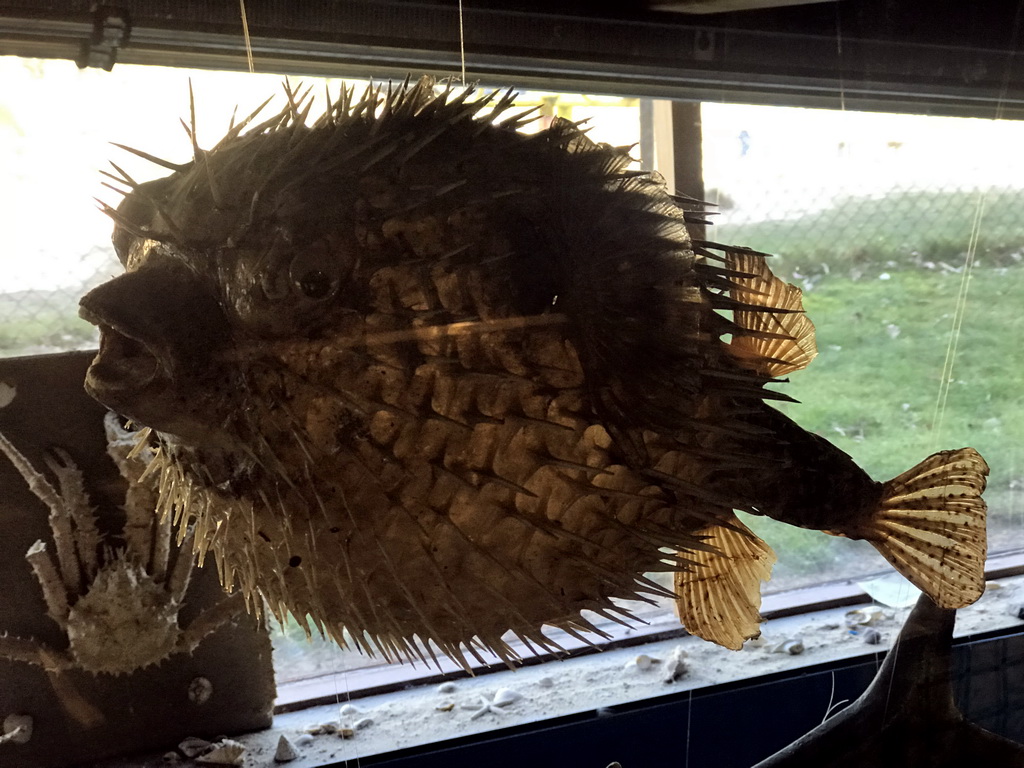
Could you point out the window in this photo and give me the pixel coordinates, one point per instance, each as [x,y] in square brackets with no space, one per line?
[872,215]
[875,216]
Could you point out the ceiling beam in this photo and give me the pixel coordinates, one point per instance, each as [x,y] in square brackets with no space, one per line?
[726,57]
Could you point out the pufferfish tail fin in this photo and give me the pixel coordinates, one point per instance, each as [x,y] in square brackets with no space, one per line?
[777,342]
[931,526]
[720,599]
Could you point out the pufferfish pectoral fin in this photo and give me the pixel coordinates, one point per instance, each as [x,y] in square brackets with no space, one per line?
[930,526]
[779,342]
[720,599]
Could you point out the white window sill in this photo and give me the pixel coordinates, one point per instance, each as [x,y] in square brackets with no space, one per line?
[421,715]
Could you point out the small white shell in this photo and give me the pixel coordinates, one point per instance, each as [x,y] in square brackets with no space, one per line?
[546,682]
[365,722]
[866,616]
[303,740]
[350,709]
[319,728]
[226,752]
[675,666]
[193,746]
[447,688]
[7,394]
[643,662]
[17,729]
[793,646]
[505,696]
[286,751]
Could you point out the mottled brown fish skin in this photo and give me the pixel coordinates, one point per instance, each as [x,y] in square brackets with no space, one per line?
[417,377]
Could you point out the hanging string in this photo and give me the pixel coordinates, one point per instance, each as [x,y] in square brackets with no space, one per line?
[839,61]
[939,415]
[689,718]
[245,34]
[462,43]
[960,310]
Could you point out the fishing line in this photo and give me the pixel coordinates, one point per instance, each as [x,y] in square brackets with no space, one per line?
[832,703]
[938,417]
[689,716]
[839,61]
[960,310]
[462,43]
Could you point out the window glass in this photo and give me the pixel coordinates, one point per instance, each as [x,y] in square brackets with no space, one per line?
[874,216]
[871,215]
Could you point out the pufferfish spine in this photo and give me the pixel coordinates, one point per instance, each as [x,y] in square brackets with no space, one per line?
[422,379]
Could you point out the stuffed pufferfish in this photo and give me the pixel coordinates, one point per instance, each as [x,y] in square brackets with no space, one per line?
[423,379]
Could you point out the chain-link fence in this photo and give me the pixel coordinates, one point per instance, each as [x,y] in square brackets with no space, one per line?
[37,321]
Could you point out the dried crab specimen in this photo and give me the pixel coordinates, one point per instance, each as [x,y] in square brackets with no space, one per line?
[118,606]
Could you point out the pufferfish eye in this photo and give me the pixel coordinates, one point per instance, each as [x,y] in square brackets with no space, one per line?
[316,285]
[316,271]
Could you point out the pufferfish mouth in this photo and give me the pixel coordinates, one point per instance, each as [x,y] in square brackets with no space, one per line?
[123,365]
[152,351]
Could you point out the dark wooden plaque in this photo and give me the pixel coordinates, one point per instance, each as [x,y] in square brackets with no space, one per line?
[80,717]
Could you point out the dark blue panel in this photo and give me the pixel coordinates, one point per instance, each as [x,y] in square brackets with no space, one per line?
[729,726]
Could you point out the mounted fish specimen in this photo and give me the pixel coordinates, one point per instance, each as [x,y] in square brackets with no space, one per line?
[118,606]
[906,718]
[424,378]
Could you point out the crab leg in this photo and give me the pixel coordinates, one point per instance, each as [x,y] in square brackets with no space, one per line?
[149,546]
[76,503]
[209,621]
[60,521]
[50,582]
[177,584]
[30,652]
[162,535]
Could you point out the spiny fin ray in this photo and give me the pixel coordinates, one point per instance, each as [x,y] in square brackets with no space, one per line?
[719,600]
[794,347]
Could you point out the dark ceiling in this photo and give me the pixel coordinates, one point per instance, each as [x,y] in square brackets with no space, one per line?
[937,57]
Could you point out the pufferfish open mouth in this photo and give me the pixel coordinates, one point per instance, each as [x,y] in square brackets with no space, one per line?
[125,365]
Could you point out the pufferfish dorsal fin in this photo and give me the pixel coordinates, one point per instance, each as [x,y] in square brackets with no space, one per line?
[720,598]
[781,342]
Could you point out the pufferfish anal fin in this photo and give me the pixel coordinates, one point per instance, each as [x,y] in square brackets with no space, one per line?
[720,598]
[931,526]
[780,342]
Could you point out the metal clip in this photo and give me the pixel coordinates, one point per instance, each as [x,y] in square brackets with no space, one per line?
[111,28]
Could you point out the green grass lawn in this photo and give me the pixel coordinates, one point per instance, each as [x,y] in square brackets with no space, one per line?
[874,387]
